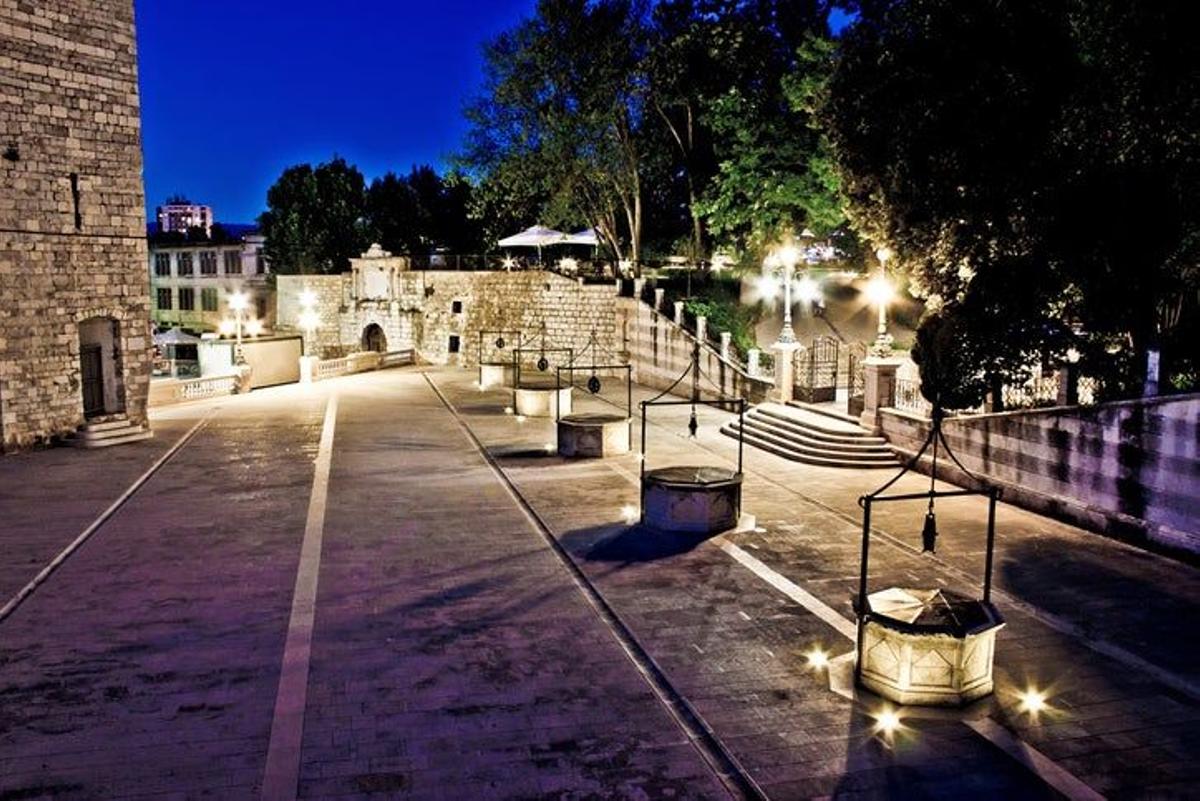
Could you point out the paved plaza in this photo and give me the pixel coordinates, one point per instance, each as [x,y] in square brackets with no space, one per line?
[385,586]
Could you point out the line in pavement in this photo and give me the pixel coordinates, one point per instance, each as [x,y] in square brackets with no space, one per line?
[86,534]
[1029,757]
[1131,660]
[281,778]
[723,764]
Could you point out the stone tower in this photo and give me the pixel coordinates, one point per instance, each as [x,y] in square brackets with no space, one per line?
[74,299]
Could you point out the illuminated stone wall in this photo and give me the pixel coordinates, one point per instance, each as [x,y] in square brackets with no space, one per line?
[1130,469]
[72,213]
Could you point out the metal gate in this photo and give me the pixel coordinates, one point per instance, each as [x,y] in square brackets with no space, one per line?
[817,371]
[92,367]
[856,382]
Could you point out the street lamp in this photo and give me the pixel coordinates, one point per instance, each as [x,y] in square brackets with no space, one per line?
[880,292]
[786,258]
[238,304]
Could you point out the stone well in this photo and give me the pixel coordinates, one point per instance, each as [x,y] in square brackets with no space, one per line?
[542,399]
[495,374]
[692,500]
[927,647]
[594,435]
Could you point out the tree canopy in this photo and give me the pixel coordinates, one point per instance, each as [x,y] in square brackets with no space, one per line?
[1032,166]
[677,122]
[319,218]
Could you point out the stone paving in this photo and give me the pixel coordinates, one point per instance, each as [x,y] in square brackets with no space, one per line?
[736,647]
[454,657]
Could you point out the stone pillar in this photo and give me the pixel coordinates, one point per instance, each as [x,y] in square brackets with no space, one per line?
[726,337]
[702,329]
[638,285]
[1068,385]
[679,312]
[308,367]
[752,361]
[785,370]
[658,299]
[879,376]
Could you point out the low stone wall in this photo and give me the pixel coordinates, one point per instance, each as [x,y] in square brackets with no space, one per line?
[1129,469]
[660,350]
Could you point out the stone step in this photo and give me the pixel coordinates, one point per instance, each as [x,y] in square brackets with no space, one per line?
[807,456]
[106,423]
[135,435]
[826,410]
[771,427]
[108,432]
[815,430]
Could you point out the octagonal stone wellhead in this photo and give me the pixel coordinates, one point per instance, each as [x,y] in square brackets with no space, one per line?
[692,499]
[594,435]
[541,399]
[927,646]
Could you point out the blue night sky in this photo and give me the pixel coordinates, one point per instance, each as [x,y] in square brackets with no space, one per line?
[233,91]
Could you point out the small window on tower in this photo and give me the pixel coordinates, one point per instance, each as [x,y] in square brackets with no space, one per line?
[75,201]
[454,343]
[456,307]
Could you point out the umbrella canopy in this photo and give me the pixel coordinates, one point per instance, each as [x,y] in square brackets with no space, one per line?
[175,336]
[534,237]
[585,237]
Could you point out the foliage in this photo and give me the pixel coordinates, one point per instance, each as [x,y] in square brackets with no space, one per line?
[775,174]
[314,221]
[1027,164]
[318,219]
[422,212]
[558,122]
[715,297]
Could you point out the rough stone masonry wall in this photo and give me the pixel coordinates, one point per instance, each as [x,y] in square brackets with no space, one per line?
[517,301]
[68,104]
[1129,469]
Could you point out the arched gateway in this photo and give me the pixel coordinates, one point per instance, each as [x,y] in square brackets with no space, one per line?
[373,339]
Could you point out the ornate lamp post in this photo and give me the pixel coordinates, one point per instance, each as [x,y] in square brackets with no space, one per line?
[308,321]
[787,257]
[238,304]
[880,292]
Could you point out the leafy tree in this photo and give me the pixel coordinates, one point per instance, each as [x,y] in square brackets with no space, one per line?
[559,118]
[1029,164]
[774,172]
[315,218]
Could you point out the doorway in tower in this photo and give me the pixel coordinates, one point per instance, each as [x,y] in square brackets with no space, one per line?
[100,367]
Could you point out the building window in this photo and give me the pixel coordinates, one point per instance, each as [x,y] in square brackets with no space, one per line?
[164,297]
[187,298]
[260,262]
[454,343]
[260,307]
[456,307]
[208,300]
[233,262]
[208,262]
[183,263]
[162,264]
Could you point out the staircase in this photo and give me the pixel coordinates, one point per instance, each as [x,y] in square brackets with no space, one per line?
[106,431]
[803,433]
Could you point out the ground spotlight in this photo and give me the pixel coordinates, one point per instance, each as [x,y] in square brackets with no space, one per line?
[817,659]
[1033,701]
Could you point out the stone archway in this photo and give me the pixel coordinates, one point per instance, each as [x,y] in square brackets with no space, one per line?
[101,374]
[373,339]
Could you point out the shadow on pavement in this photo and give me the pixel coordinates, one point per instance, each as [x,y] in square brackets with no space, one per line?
[629,544]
